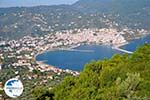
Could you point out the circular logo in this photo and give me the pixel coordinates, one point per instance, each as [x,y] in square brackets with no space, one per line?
[13,88]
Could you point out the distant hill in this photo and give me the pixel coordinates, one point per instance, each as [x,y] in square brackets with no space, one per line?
[93,6]
[17,22]
[20,21]
[112,5]
[132,13]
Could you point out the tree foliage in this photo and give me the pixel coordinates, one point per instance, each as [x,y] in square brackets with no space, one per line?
[123,77]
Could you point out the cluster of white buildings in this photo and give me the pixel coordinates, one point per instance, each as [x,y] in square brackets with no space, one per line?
[26,48]
[97,36]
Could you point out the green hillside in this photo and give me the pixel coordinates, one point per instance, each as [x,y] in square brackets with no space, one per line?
[93,6]
[131,13]
[123,77]
[17,22]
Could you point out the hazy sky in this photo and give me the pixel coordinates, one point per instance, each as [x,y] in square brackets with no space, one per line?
[14,3]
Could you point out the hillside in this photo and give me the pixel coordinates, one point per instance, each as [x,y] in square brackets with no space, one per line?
[123,77]
[131,13]
[17,22]
[93,6]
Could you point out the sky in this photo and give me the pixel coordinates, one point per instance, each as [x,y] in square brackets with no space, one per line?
[20,3]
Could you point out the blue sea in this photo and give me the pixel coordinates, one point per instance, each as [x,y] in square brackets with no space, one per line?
[134,44]
[75,60]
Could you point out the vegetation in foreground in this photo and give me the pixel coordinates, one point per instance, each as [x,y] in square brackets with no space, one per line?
[123,77]
[31,80]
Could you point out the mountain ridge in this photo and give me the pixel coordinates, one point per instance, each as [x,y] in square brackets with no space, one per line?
[17,22]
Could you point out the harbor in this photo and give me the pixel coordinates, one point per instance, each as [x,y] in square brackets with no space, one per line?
[122,50]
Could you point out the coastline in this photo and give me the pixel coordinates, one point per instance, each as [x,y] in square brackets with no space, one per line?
[121,44]
[128,41]
[71,47]
[54,68]
[48,67]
